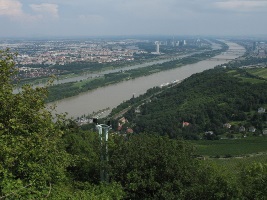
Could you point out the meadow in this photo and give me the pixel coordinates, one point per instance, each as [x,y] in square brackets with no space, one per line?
[261,72]
[231,147]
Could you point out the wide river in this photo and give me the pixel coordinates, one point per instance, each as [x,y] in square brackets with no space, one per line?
[111,96]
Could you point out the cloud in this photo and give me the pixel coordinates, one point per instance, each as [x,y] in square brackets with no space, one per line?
[45,9]
[92,17]
[11,8]
[240,5]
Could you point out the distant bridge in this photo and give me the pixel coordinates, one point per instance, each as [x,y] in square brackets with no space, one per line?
[236,50]
[220,59]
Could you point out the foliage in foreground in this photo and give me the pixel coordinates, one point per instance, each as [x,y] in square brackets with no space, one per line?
[253,181]
[154,167]
[34,159]
[31,155]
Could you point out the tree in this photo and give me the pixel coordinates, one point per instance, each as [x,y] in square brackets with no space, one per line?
[84,146]
[32,157]
[253,179]
[155,167]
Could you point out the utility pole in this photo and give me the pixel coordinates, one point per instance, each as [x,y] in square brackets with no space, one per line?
[103,136]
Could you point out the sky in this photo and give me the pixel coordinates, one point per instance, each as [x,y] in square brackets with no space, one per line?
[70,18]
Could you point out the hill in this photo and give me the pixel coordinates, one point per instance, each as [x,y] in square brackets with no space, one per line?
[211,104]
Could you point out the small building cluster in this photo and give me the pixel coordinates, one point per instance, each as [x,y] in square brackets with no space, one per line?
[260,49]
[123,126]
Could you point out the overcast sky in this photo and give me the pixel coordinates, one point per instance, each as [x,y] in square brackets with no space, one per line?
[132,17]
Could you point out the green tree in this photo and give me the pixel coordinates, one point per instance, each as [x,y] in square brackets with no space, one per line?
[32,157]
[155,167]
[84,146]
[43,155]
[253,179]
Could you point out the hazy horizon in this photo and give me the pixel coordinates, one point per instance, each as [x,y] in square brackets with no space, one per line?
[102,18]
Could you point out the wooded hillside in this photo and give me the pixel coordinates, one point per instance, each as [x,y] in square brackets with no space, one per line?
[205,101]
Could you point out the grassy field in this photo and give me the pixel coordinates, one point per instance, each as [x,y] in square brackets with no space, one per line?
[261,72]
[232,166]
[231,147]
[232,155]
[251,80]
[235,163]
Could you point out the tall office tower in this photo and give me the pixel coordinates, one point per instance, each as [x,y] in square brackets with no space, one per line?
[184,42]
[157,47]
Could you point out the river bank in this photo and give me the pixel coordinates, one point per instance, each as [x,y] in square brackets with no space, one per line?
[112,95]
[62,91]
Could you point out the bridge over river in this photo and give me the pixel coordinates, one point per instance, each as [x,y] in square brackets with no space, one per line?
[221,59]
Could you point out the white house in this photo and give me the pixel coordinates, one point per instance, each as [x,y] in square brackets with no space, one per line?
[252,129]
[261,110]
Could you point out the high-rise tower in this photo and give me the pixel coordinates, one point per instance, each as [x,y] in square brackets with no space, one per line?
[157,47]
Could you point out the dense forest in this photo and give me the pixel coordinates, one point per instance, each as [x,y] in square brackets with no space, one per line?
[46,156]
[205,101]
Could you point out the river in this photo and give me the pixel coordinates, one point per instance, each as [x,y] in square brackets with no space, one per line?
[85,76]
[111,96]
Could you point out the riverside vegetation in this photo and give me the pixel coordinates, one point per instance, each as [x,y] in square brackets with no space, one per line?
[50,157]
[61,91]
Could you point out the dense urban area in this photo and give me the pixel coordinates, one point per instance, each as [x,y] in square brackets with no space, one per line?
[37,58]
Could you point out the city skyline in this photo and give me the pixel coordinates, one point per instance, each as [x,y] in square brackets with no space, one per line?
[67,18]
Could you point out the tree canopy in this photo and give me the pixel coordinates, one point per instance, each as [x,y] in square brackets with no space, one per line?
[32,158]
[206,101]
[156,167]
[43,155]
